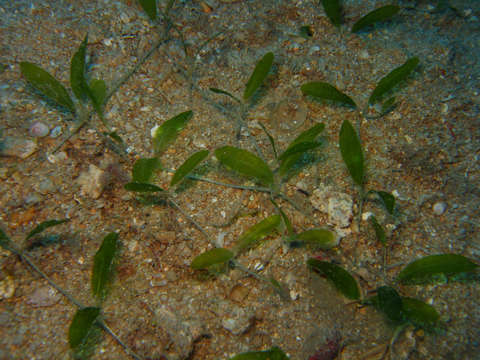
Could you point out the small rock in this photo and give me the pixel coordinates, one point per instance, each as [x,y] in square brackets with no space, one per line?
[44,296]
[238,321]
[338,205]
[17,147]
[93,181]
[7,287]
[439,208]
[38,129]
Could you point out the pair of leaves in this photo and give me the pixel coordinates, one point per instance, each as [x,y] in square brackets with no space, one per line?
[399,309]
[424,269]
[339,277]
[325,91]
[259,74]
[246,240]
[54,90]
[275,353]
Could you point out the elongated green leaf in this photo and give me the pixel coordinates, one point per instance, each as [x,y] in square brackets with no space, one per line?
[270,138]
[351,150]
[77,71]
[142,187]
[381,14]
[286,220]
[299,149]
[143,169]
[5,241]
[81,326]
[341,279]
[97,93]
[379,231]
[150,8]
[188,166]
[245,163]
[211,257]
[422,270]
[168,131]
[47,85]
[274,353]
[321,238]
[115,137]
[257,232]
[396,76]
[223,92]
[325,91]
[307,136]
[333,9]
[45,225]
[388,200]
[390,303]
[258,76]
[103,266]
[420,313]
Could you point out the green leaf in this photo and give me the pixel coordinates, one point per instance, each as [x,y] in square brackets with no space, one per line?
[420,313]
[115,137]
[103,266]
[274,353]
[188,166]
[45,225]
[307,136]
[341,279]
[333,9]
[325,91]
[257,232]
[396,76]
[299,149]
[351,150]
[388,105]
[5,241]
[270,138]
[168,131]
[77,71]
[82,325]
[420,271]
[142,187]
[286,220]
[97,94]
[258,76]
[245,163]
[379,231]
[390,303]
[47,85]
[320,238]
[211,257]
[150,8]
[223,92]
[381,14]
[143,169]
[388,200]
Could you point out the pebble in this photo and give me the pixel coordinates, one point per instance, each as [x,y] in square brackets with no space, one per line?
[17,147]
[39,129]
[7,287]
[439,208]
[44,296]
[338,205]
[93,181]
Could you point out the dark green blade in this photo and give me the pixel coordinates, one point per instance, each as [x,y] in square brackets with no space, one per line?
[258,76]
[320,238]
[339,277]
[352,153]
[168,131]
[379,231]
[390,303]
[211,257]
[77,71]
[422,270]
[188,166]
[257,232]
[150,8]
[47,85]
[325,91]
[223,92]
[143,169]
[142,187]
[103,266]
[81,326]
[45,225]
[333,9]
[274,353]
[395,77]
[420,313]
[380,14]
[245,163]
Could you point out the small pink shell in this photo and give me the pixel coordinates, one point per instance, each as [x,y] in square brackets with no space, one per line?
[38,129]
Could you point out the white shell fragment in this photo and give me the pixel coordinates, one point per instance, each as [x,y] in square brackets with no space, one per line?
[338,205]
